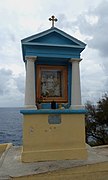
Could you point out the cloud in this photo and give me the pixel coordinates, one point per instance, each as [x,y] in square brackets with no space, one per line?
[94,23]
[11,88]
[93,80]
[20,83]
[18,22]
[92,27]
[94,73]
[5,81]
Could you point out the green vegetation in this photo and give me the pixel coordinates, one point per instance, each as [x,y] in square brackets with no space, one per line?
[97,122]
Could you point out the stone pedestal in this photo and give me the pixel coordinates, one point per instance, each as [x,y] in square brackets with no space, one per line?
[53,135]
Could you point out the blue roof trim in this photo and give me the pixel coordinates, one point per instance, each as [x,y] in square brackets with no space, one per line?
[42,47]
[50,111]
[30,38]
[54,45]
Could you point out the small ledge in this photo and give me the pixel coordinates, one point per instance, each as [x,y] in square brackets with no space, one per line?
[51,111]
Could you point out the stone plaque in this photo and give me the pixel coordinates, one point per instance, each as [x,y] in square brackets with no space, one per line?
[54,119]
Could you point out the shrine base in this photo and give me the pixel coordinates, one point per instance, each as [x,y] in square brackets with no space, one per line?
[53,135]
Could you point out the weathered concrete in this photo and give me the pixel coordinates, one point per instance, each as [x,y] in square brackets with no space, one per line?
[48,141]
[11,165]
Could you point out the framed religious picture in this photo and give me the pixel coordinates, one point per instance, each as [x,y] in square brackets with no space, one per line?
[51,83]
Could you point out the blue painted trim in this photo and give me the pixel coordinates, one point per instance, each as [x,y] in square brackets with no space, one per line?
[54,45]
[47,111]
[52,55]
[53,48]
[51,62]
[40,48]
[41,34]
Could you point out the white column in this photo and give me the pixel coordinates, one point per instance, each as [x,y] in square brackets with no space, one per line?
[30,82]
[75,85]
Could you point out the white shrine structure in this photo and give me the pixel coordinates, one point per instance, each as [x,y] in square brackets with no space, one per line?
[54,117]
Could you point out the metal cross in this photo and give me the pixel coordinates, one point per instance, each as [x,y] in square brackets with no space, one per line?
[53,19]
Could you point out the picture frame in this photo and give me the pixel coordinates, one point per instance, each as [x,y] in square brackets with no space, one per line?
[51,83]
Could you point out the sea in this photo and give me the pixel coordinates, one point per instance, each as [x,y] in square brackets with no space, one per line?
[11,123]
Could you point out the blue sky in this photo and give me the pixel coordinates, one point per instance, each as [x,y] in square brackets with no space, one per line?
[86,20]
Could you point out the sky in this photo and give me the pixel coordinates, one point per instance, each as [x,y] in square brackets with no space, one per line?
[86,20]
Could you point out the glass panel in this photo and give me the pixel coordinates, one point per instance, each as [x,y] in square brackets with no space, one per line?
[51,83]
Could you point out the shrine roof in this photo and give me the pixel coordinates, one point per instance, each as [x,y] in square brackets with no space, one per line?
[53,36]
[53,41]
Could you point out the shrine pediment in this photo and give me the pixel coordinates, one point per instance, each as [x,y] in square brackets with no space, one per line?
[53,37]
